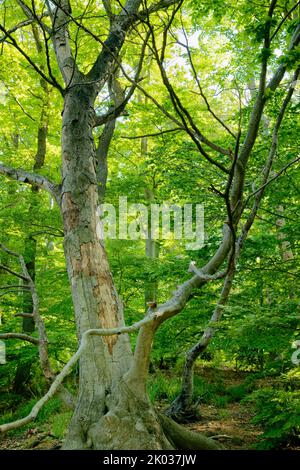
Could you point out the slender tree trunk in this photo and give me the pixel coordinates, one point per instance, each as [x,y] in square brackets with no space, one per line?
[30,244]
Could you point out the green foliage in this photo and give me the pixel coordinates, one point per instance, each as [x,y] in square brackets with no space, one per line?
[52,407]
[259,29]
[278,411]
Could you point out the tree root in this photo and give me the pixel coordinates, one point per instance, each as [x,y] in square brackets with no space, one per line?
[183,414]
[184,439]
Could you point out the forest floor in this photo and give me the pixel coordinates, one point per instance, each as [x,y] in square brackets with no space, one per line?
[231,422]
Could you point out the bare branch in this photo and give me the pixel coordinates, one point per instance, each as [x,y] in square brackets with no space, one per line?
[31,178]
[12,253]
[24,315]
[154,134]
[119,108]
[42,340]
[187,47]
[266,181]
[185,397]
[21,336]
[205,277]
[257,112]
[172,118]
[279,73]
[186,119]
[279,173]
[162,5]
[15,28]
[284,19]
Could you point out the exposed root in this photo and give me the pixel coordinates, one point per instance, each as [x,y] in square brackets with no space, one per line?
[184,439]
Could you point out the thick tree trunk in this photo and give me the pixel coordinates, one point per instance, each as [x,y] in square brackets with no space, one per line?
[109,413]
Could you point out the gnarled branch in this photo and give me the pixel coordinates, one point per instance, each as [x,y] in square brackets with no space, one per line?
[21,336]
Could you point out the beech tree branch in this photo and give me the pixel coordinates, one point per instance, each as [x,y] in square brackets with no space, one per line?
[115,39]
[257,111]
[187,121]
[31,178]
[210,110]
[162,5]
[284,19]
[153,134]
[279,73]
[184,401]
[274,145]
[205,277]
[279,173]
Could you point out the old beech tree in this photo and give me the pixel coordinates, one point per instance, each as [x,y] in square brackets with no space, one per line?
[112,409]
